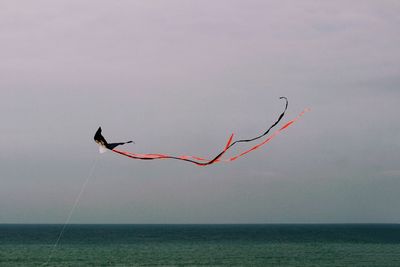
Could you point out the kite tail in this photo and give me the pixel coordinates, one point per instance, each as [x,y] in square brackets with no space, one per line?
[204,162]
[271,137]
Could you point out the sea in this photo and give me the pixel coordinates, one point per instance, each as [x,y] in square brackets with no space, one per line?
[201,245]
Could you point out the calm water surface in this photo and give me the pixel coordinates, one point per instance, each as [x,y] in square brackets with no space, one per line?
[202,245]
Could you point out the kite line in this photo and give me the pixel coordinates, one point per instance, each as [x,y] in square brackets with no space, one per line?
[199,160]
[77,199]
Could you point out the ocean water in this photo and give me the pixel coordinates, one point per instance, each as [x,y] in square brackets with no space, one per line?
[202,245]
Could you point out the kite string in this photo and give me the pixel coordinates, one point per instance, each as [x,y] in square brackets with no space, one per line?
[76,202]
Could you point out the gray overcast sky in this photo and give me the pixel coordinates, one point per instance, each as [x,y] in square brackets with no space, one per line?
[178,77]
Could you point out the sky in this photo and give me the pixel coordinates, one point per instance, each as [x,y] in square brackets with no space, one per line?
[179,77]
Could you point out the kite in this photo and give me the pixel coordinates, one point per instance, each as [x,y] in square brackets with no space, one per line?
[104,145]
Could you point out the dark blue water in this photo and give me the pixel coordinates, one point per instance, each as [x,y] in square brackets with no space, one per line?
[202,245]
